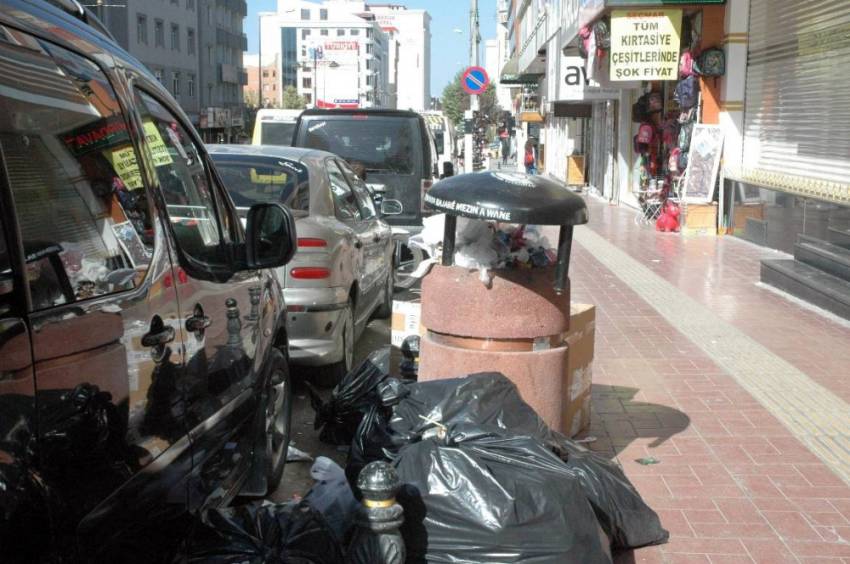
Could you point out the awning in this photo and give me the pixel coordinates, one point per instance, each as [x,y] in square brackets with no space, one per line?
[531,117]
[510,73]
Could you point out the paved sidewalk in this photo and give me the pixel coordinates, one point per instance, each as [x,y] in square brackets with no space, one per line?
[741,394]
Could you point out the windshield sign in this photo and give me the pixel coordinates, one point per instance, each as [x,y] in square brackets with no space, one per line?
[250,183]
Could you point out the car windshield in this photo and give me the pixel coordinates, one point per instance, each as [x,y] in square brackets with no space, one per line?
[379,143]
[254,181]
[277,133]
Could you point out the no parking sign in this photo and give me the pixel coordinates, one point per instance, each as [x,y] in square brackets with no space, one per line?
[474,80]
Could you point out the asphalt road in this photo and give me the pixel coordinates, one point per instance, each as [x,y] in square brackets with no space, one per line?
[296,475]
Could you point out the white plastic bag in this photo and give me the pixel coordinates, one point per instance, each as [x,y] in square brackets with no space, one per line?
[332,497]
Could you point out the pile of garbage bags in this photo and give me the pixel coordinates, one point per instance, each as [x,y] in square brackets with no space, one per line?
[484,479]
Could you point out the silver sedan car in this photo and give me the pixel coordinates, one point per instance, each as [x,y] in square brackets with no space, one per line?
[341,274]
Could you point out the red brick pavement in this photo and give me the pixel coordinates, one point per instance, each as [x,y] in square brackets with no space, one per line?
[733,484]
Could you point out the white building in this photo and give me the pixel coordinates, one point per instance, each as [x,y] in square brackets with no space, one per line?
[410,56]
[333,52]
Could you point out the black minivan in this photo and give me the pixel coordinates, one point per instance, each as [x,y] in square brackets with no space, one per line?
[143,369]
[392,146]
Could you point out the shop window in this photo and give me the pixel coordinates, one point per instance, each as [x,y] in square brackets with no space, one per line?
[84,214]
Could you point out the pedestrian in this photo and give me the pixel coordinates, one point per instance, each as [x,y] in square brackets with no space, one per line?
[530,159]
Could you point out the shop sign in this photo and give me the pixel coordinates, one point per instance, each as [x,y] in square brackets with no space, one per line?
[123,159]
[96,136]
[577,86]
[645,44]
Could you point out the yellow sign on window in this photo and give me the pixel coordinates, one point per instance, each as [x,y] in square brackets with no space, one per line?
[258,178]
[124,162]
[645,44]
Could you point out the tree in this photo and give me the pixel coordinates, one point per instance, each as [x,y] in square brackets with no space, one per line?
[292,100]
[456,101]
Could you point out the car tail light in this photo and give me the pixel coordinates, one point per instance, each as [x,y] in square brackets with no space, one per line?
[296,309]
[311,242]
[310,273]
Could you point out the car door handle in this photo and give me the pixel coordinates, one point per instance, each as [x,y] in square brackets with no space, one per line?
[161,337]
[358,245]
[197,323]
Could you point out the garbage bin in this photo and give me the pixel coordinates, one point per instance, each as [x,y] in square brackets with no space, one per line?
[518,324]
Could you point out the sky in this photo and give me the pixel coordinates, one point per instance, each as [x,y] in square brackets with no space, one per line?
[449,50]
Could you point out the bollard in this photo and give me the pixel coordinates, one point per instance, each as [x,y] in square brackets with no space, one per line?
[377,539]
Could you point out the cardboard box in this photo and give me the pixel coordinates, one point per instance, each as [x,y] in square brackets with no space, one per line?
[406,321]
[700,219]
[579,376]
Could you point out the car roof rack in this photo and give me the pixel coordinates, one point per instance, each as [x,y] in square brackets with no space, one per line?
[80,12]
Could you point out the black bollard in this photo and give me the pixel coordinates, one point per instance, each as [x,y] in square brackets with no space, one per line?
[377,539]
[409,367]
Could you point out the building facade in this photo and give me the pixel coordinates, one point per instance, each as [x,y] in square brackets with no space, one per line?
[409,33]
[334,53]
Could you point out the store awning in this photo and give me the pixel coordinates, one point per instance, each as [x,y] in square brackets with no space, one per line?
[531,117]
[510,74]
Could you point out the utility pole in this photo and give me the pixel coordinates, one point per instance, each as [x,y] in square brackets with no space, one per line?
[474,40]
[260,102]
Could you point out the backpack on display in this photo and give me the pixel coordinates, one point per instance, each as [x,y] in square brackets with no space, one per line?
[673,160]
[640,109]
[683,161]
[711,62]
[687,93]
[685,133]
[646,134]
[656,102]
[670,133]
[603,34]
[584,41]
[686,64]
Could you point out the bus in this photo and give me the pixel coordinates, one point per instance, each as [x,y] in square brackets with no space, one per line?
[275,127]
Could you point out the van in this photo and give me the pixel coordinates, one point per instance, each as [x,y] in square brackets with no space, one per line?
[445,144]
[274,126]
[144,375]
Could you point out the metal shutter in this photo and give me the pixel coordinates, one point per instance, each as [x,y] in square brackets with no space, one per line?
[797,110]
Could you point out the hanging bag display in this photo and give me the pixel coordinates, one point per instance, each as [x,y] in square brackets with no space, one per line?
[685,133]
[603,34]
[686,64]
[584,41]
[711,62]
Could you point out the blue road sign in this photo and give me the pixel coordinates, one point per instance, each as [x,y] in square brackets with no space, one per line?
[474,80]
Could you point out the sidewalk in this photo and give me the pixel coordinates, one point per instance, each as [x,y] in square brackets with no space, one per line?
[741,394]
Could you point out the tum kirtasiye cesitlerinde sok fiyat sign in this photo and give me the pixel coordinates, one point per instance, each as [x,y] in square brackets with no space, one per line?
[645,44]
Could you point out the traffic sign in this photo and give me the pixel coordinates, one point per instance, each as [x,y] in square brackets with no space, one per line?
[474,80]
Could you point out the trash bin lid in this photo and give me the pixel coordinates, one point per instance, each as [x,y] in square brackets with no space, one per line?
[508,196]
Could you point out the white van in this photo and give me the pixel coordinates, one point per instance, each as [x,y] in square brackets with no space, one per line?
[275,127]
[443,134]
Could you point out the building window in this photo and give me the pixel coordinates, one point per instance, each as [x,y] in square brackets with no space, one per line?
[323,14]
[265,74]
[175,37]
[368,48]
[142,29]
[303,50]
[323,32]
[175,2]
[354,32]
[190,41]
[289,49]
[340,31]
[175,84]
[159,33]
[190,4]
[210,19]
[158,74]
[307,82]
[190,85]
[369,32]
[305,33]
[305,14]
[308,98]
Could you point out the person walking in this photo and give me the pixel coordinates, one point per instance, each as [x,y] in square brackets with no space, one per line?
[530,159]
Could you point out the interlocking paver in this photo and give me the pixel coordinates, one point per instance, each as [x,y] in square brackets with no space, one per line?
[734,484]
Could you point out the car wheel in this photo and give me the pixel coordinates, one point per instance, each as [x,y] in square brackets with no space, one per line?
[386,308]
[329,376]
[278,419]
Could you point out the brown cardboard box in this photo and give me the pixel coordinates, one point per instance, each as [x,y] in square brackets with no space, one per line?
[700,219]
[578,378]
[406,320]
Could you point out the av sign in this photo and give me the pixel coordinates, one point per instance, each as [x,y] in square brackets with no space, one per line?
[577,86]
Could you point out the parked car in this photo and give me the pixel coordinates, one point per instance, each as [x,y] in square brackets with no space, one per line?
[397,153]
[143,369]
[342,273]
[273,126]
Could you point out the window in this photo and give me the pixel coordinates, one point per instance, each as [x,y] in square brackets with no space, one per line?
[340,31]
[323,14]
[142,29]
[265,74]
[175,84]
[190,85]
[305,33]
[84,213]
[175,37]
[210,18]
[306,82]
[369,32]
[159,33]
[185,186]
[190,41]
[368,48]
[308,98]
[344,200]
[252,180]
[364,200]
[323,32]
[305,14]
[354,32]
[303,50]
[175,2]
[190,4]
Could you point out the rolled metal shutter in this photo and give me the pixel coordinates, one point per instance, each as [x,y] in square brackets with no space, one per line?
[797,110]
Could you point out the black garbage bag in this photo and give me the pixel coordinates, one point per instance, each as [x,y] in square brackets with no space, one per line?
[491,401]
[291,533]
[354,395]
[480,496]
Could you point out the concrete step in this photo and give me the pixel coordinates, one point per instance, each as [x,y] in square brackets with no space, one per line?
[809,284]
[823,255]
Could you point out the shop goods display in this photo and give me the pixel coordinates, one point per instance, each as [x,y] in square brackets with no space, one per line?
[669,218]
[478,434]
[711,62]
[687,92]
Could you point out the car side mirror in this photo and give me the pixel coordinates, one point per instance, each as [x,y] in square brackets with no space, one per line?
[271,236]
[391,207]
